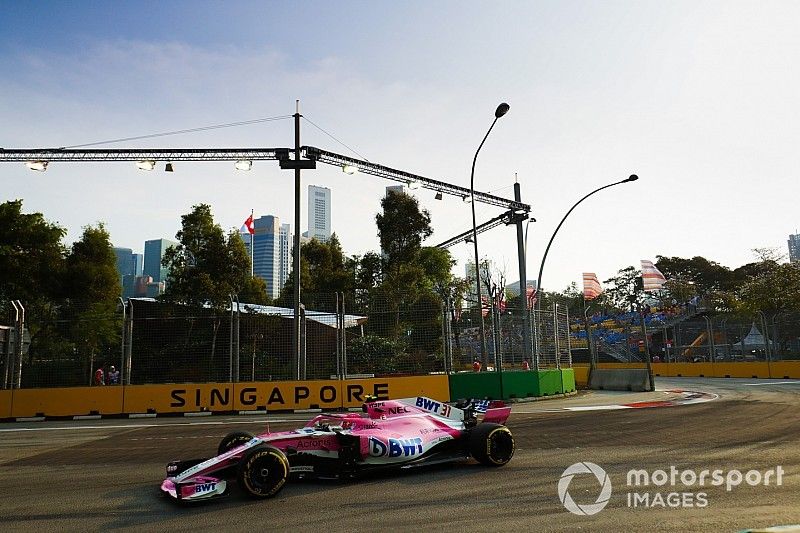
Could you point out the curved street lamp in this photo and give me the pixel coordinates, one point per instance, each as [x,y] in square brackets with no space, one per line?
[501,110]
[632,177]
[539,293]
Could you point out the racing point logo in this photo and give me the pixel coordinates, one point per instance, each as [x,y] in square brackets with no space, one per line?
[586,509]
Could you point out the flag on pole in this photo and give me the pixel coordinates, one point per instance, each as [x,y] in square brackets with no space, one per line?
[530,295]
[248,227]
[652,277]
[591,286]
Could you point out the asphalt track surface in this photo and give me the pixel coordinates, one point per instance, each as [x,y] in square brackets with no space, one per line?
[104,474]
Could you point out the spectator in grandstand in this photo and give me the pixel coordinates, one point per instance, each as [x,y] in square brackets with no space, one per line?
[476,365]
[526,365]
[99,376]
[113,376]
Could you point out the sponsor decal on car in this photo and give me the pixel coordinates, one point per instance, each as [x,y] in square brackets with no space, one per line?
[395,447]
[204,487]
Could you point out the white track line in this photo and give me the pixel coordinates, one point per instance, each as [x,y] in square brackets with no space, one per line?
[773,383]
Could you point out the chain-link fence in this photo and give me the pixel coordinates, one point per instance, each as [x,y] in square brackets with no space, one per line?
[694,336]
[342,335]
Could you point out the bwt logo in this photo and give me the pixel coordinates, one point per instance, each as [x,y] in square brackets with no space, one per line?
[584,468]
[428,405]
[395,447]
[204,487]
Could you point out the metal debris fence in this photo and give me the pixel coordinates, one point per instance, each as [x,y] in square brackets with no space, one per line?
[700,337]
[145,341]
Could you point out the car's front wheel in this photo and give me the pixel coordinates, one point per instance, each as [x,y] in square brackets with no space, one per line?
[233,440]
[263,471]
[491,444]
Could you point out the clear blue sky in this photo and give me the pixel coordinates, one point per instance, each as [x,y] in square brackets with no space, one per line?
[698,98]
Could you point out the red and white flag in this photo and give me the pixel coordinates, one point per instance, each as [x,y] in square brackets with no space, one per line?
[530,295]
[247,227]
[591,286]
[652,277]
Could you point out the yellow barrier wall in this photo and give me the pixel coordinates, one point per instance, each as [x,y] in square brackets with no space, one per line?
[221,397]
[785,369]
[5,404]
[67,401]
[436,387]
[278,395]
[779,370]
[179,398]
[581,376]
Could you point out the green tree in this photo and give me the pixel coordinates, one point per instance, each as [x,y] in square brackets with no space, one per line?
[31,260]
[32,269]
[206,267]
[92,287]
[705,275]
[624,289]
[775,291]
[323,271]
[402,226]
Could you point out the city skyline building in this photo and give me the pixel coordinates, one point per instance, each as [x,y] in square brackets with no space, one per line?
[485,270]
[794,247]
[129,267]
[286,245]
[125,261]
[266,253]
[319,213]
[154,251]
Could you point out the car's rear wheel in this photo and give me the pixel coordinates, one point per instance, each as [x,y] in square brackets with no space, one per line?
[232,440]
[491,444]
[263,471]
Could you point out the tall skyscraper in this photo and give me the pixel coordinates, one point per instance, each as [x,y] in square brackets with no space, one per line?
[319,213]
[125,262]
[138,264]
[267,253]
[286,243]
[154,251]
[794,247]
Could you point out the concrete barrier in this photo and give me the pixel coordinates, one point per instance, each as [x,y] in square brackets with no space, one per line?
[623,379]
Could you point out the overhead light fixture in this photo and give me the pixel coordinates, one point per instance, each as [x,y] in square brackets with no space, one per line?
[168,168]
[438,195]
[349,169]
[243,164]
[147,164]
[38,166]
[467,199]
[413,185]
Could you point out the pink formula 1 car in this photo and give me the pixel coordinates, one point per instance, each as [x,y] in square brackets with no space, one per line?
[389,434]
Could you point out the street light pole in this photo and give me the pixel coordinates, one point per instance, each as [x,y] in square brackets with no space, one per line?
[501,110]
[633,177]
[539,293]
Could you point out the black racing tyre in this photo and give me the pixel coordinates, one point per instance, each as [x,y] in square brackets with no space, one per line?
[232,440]
[491,444]
[263,471]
